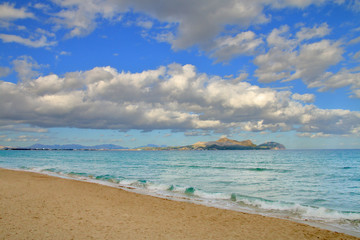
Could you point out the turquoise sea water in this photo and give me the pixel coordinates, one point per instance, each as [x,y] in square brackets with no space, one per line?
[318,186]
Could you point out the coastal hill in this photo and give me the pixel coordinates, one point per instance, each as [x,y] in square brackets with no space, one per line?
[224,144]
[229,144]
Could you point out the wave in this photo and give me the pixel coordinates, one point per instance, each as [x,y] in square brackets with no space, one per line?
[258,169]
[233,201]
[300,211]
[259,205]
[253,169]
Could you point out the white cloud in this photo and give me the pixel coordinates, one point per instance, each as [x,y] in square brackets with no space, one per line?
[144,23]
[25,67]
[21,128]
[22,138]
[315,32]
[306,98]
[41,6]
[355,40]
[41,42]
[65,53]
[313,135]
[4,71]
[81,17]
[297,3]
[196,23]
[167,37]
[290,58]
[79,23]
[275,65]
[173,97]
[199,22]
[340,79]
[8,12]
[357,55]
[314,58]
[244,43]
[280,38]
[45,32]
[197,133]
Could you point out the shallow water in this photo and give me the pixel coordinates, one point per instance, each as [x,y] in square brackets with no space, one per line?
[321,186]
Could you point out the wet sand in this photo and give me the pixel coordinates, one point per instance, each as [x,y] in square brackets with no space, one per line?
[35,206]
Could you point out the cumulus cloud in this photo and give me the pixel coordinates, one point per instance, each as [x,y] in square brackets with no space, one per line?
[196,22]
[193,133]
[9,13]
[82,17]
[21,128]
[355,40]
[244,43]
[26,66]
[41,42]
[201,23]
[314,58]
[306,98]
[173,97]
[4,71]
[343,78]
[290,58]
[147,24]
[22,138]
[314,32]
[357,55]
[313,135]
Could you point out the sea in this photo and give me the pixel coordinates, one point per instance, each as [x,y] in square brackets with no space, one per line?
[316,187]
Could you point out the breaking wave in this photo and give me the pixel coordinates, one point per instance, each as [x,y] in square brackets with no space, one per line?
[233,201]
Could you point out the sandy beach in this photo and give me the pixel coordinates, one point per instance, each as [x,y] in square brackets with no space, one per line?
[35,206]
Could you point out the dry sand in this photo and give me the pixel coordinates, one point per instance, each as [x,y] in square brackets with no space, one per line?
[35,206]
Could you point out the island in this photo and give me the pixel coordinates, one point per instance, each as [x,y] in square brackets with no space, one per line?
[223,144]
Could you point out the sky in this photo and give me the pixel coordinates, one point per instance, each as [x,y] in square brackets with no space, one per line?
[177,72]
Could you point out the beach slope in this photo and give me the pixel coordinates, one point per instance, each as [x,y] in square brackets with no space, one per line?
[35,206]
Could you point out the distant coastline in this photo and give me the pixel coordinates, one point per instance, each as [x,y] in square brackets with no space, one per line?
[220,144]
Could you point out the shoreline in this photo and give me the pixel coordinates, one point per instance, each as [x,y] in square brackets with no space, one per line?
[46,207]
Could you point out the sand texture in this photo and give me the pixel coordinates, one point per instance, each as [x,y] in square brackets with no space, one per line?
[35,206]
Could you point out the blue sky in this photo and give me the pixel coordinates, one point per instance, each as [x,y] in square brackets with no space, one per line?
[177,72]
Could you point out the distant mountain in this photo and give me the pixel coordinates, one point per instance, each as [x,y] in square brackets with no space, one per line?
[108,146]
[272,145]
[225,144]
[152,146]
[222,144]
[76,146]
